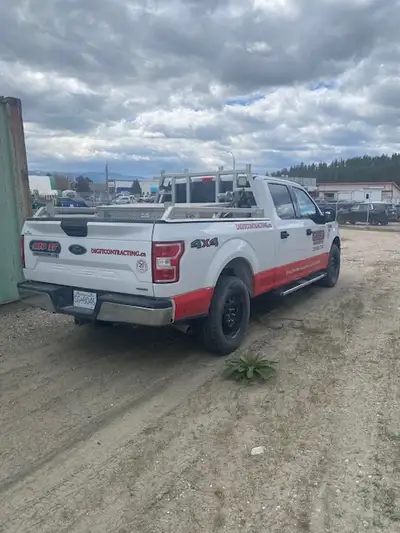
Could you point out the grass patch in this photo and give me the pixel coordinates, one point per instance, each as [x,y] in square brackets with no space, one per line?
[394,437]
[250,367]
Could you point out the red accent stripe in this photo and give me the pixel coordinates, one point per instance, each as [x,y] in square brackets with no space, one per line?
[193,303]
[277,277]
[196,303]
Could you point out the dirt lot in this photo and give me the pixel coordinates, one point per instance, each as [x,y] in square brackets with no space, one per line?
[123,431]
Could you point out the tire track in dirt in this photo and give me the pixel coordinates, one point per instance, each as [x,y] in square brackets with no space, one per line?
[213,424]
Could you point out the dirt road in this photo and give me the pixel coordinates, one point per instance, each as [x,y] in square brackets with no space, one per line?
[123,431]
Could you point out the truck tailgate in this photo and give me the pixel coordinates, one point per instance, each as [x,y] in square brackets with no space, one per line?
[101,255]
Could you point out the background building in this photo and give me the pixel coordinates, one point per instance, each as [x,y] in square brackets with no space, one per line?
[384,191]
[310,184]
[42,185]
[148,187]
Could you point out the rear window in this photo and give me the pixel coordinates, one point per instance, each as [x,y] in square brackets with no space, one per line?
[200,192]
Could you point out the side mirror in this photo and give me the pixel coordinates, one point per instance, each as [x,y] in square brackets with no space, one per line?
[330,215]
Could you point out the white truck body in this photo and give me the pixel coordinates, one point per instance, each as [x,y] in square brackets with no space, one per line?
[123,270]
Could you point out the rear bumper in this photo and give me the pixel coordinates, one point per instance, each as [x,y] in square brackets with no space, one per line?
[110,307]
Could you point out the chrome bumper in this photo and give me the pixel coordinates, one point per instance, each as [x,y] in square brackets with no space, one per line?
[142,316]
[36,298]
[111,307]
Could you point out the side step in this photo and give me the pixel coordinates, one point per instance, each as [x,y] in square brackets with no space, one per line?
[300,284]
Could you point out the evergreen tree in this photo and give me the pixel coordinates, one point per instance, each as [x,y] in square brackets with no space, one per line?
[136,188]
[363,168]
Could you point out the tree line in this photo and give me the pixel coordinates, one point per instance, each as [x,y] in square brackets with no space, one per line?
[364,168]
[83,184]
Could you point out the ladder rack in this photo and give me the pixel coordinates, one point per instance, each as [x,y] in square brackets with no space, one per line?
[187,176]
[210,211]
[141,212]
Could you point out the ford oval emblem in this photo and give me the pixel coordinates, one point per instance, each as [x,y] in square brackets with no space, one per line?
[77,249]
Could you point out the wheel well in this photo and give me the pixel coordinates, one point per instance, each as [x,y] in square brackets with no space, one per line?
[240,268]
[336,241]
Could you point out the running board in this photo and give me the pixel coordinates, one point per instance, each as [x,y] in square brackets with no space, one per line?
[300,284]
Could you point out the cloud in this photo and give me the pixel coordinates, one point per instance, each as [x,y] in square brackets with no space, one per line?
[178,84]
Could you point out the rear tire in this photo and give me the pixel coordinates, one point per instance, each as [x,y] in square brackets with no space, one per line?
[226,324]
[333,270]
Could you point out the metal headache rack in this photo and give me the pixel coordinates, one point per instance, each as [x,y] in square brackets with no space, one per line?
[169,181]
[171,210]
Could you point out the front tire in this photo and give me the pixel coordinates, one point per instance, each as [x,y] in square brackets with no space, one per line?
[333,270]
[226,324]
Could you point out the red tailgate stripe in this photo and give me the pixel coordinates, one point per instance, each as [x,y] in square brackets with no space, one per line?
[193,303]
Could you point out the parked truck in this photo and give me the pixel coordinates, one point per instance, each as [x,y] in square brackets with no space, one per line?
[190,265]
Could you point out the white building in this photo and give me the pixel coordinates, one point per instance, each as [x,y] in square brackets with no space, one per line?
[148,187]
[42,185]
[384,191]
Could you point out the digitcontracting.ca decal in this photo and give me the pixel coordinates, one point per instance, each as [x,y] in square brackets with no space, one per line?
[253,225]
[110,251]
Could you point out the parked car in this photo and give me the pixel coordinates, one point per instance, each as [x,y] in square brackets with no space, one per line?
[371,213]
[64,201]
[124,200]
[334,207]
[392,213]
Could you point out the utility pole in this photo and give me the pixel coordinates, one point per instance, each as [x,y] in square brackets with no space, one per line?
[233,160]
[107,187]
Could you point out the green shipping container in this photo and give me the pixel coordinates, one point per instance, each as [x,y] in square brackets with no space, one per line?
[15,202]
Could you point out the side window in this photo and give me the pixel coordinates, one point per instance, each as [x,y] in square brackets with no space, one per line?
[306,205]
[282,201]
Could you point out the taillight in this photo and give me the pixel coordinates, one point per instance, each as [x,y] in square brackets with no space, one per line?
[166,259]
[23,251]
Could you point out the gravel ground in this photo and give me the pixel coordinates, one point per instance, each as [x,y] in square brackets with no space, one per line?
[135,431]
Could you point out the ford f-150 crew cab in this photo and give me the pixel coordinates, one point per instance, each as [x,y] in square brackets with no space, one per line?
[183,264]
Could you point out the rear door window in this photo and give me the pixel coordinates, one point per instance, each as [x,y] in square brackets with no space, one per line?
[282,201]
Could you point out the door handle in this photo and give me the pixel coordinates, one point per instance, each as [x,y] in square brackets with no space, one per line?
[309,231]
[284,234]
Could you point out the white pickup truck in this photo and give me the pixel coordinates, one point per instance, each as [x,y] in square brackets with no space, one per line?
[187,265]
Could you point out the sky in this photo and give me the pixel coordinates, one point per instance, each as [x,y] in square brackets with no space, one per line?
[151,85]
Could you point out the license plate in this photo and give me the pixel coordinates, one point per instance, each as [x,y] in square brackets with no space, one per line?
[85,300]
